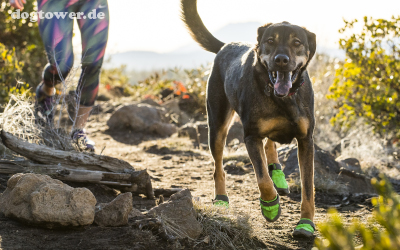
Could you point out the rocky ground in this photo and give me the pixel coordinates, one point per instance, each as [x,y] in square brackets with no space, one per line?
[176,162]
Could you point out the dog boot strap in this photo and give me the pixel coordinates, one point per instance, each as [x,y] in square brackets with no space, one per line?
[274,166]
[305,221]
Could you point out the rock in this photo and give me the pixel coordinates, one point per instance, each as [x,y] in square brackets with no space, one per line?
[351,164]
[357,183]
[199,132]
[323,161]
[325,167]
[142,118]
[342,144]
[39,199]
[115,213]
[190,104]
[103,97]
[179,212]
[235,168]
[235,132]
[135,213]
[150,102]
[176,114]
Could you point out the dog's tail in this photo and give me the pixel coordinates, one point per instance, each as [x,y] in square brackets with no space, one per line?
[196,28]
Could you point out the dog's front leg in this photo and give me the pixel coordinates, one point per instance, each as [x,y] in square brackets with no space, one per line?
[306,161]
[269,199]
[306,226]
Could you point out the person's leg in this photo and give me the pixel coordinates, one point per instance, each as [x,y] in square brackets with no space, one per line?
[56,35]
[94,34]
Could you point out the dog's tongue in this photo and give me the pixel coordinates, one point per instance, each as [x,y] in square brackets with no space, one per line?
[283,83]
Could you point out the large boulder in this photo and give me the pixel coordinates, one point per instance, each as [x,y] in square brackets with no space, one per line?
[142,118]
[326,169]
[39,199]
[115,213]
[199,132]
[179,213]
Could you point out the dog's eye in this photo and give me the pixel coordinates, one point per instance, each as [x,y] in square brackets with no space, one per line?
[270,41]
[297,43]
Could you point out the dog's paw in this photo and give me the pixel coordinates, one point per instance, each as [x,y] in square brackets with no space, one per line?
[305,228]
[221,201]
[271,210]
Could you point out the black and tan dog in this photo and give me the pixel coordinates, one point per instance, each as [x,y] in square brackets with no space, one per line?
[268,86]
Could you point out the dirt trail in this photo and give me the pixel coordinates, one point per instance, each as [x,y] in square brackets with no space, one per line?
[173,162]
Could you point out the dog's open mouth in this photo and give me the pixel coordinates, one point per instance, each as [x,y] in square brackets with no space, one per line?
[283,80]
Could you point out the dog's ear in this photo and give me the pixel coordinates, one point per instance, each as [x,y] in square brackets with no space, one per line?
[312,44]
[260,32]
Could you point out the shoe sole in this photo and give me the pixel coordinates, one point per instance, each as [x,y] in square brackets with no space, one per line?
[282,191]
[301,233]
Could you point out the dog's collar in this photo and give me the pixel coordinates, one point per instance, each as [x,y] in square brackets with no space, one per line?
[269,88]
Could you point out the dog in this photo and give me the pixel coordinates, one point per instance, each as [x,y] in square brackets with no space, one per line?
[268,86]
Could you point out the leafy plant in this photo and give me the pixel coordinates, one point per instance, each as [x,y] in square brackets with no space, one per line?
[188,85]
[367,84]
[10,69]
[21,36]
[382,232]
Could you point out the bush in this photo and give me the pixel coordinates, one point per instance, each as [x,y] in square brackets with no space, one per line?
[386,214]
[367,84]
[188,84]
[10,70]
[21,38]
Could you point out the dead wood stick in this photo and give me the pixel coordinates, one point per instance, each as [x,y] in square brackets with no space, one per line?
[68,159]
[137,182]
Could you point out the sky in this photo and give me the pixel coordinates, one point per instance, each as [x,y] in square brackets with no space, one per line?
[155,25]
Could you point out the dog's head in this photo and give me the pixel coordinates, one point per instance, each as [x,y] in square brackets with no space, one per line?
[285,50]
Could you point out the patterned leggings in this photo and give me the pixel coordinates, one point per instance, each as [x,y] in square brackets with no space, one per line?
[57,34]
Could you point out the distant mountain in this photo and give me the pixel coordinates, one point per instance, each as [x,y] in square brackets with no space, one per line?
[191,55]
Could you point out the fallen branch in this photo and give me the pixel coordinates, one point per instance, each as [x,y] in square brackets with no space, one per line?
[137,182]
[67,159]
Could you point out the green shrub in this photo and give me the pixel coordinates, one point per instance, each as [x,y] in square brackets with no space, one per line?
[20,38]
[367,86]
[184,84]
[382,232]
[10,70]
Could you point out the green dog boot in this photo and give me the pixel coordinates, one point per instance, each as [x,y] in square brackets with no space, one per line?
[278,177]
[271,210]
[305,228]
[221,201]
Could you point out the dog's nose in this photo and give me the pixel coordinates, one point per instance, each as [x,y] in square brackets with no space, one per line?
[281,60]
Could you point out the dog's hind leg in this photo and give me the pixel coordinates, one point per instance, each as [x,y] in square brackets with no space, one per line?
[269,199]
[270,151]
[220,114]
[275,168]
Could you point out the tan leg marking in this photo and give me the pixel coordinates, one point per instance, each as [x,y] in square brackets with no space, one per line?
[256,151]
[270,150]
[303,126]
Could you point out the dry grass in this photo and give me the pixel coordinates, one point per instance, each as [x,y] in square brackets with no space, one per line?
[19,118]
[225,228]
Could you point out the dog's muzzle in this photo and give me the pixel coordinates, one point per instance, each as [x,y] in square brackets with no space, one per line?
[282,81]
